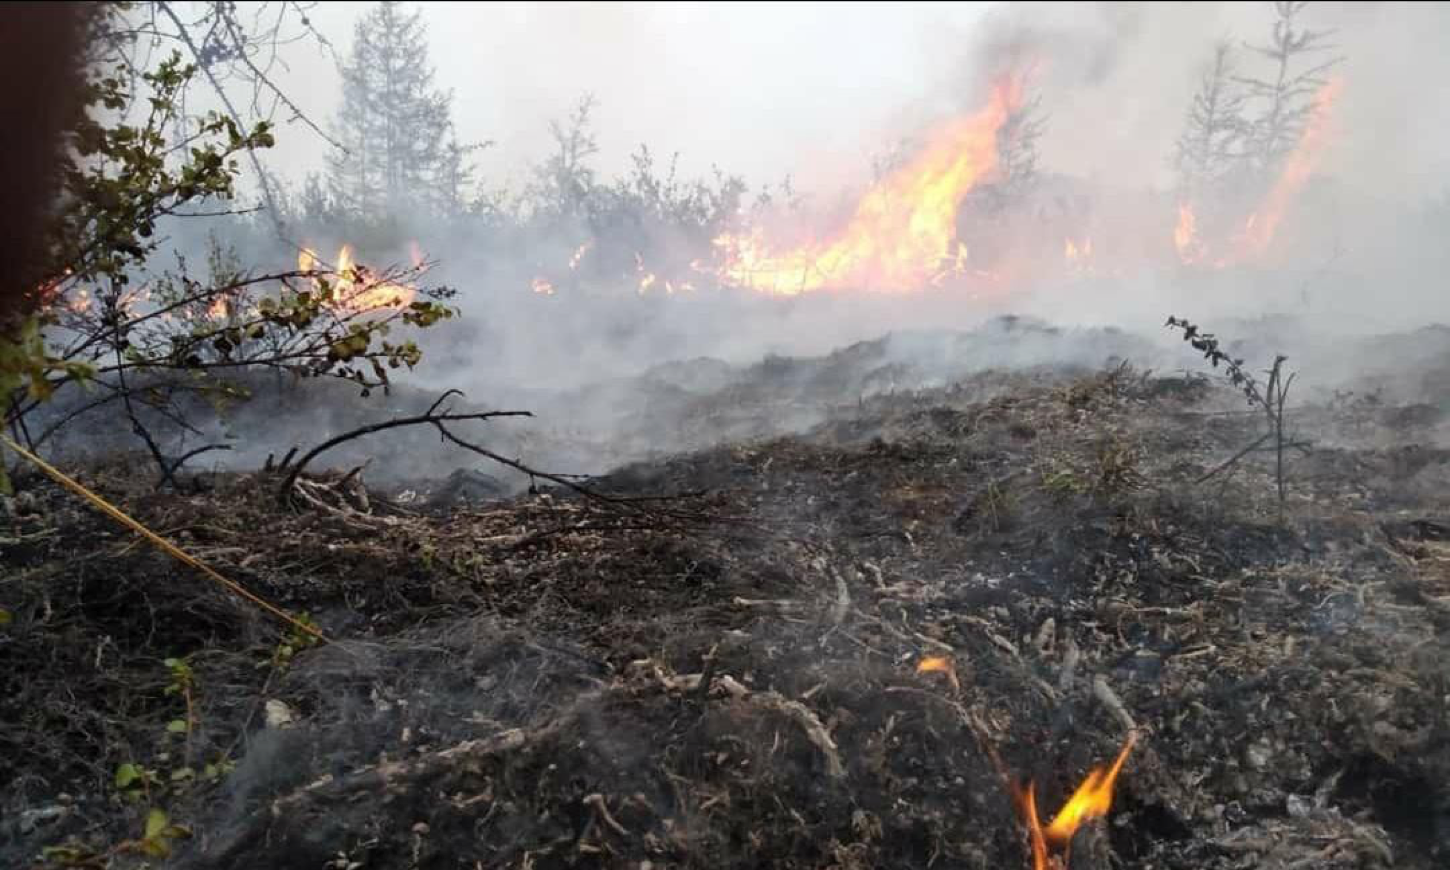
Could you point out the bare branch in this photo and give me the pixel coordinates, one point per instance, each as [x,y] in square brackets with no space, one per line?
[430,417]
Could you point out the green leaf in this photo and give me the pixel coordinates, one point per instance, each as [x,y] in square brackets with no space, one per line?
[127,774]
[177,726]
[156,822]
[5,617]
[156,847]
[182,773]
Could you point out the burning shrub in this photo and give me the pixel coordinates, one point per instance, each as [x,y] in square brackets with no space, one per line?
[147,343]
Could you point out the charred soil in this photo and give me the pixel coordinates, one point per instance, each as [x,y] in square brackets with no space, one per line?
[729,678]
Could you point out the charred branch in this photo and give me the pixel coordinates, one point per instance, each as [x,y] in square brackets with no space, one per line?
[432,417]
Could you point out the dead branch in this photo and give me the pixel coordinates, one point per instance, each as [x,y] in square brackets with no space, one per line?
[1233,460]
[1109,699]
[640,504]
[192,454]
[815,731]
[596,802]
[431,416]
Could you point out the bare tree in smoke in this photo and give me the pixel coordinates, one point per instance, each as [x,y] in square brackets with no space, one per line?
[1017,147]
[563,182]
[1210,148]
[892,157]
[1288,96]
[398,154]
[1016,174]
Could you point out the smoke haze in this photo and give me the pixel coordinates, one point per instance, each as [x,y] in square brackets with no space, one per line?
[813,91]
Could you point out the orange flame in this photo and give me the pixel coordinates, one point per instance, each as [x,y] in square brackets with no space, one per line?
[356,290]
[579,253]
[1092,800]
[1185,235]
[1260,229]
[902,228]
[940,664]
[542,287]
[1037,840]
[1078,257]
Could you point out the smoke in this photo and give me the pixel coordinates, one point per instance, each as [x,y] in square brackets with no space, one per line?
[770,90]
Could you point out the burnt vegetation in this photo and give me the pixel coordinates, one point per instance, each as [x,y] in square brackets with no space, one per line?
[692,638]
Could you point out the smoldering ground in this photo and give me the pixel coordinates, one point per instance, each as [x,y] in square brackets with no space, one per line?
[549,681]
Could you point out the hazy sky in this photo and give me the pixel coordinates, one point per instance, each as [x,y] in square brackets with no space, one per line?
[761,88]
[811,89]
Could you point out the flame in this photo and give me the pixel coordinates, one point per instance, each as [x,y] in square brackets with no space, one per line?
[542,287]
[1037,841]
[1185,235]
[902,228]
[1078,256]
[579,254]
[1092,800]
[1262,224]
[217,310]
[940,664]
[953,266]
[128,301]
[356,290]
[82,301]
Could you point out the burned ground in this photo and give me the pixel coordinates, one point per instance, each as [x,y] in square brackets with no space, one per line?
[728,678]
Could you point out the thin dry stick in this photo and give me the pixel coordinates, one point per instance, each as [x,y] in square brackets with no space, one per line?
[430,416]
[166,546]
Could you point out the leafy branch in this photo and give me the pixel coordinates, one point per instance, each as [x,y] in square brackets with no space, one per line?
[1270,399]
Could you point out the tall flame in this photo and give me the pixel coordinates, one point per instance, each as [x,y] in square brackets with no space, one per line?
[1092,800]
[1299,165]
[902,228]
[1185,235]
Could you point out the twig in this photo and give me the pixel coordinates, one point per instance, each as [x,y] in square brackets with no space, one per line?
[636,503]
[136,426]
[1068,673]
[596,801]
[206,448]
[430,416]
[1108,698]
[263,180]
[1228,463]
[166,546]
[815,731]
[842,604]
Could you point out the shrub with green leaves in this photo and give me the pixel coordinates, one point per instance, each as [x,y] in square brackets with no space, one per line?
[141,339]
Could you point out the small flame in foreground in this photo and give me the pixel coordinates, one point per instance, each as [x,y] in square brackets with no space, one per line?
[1092,800]
[942,665]
[542,287]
